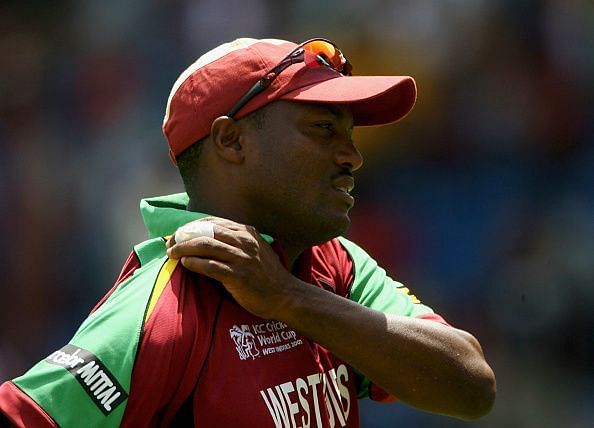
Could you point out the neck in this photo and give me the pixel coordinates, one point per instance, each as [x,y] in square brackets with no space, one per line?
[290,255]
[291,252]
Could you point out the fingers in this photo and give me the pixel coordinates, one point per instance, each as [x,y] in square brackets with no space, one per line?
[233,233]
[204,247]
[226,223]
[220,225]
[194,229]
[231,240]
[170,241]
[214,269]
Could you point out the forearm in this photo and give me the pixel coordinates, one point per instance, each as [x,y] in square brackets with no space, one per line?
[423,363]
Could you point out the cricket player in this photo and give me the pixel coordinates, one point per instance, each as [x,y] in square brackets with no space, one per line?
[246,307]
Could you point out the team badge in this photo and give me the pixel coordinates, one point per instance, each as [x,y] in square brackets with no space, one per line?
[245,342]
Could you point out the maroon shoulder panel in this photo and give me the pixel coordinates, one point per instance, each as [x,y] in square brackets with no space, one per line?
[174,345]
[21,410]
[132,263]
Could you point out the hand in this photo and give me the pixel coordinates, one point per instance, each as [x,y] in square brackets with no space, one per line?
[240,259]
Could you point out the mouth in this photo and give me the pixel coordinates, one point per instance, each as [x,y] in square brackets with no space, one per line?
[344,185]
[343,189]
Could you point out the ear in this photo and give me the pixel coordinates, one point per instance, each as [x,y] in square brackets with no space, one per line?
[227,139]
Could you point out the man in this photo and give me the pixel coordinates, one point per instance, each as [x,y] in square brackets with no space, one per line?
[266,318]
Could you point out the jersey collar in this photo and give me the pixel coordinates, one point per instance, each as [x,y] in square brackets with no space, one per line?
[163,215]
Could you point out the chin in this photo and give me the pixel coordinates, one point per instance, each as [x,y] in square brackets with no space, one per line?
[334,227]
[314,226]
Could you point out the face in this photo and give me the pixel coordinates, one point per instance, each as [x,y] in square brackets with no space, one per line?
[300,171]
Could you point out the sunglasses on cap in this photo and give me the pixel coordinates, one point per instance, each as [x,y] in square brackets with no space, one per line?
[313,52]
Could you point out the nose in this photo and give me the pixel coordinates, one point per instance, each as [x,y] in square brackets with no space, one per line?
[348,156]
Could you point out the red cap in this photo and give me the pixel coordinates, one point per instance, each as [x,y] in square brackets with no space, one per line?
[218,79]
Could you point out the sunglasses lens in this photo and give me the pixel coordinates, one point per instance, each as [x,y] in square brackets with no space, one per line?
[327,50]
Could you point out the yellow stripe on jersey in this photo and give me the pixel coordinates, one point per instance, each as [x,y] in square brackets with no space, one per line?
[406,291]
[162,279]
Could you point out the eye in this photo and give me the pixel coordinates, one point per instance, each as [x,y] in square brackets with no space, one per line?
[325,125]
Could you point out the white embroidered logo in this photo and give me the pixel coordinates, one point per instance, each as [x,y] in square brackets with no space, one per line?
[245,342]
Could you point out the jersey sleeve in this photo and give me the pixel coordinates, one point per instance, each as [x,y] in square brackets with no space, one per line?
[133,362]
[372,287]
[88,379]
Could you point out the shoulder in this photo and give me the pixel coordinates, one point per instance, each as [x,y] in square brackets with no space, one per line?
[344,261]
[332,267]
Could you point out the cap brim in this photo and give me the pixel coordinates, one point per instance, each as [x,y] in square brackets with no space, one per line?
[374,100]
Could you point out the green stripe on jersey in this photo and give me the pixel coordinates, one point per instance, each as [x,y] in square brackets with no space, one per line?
[86,383]
[373,288]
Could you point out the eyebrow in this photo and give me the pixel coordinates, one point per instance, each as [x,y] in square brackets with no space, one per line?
[333,109]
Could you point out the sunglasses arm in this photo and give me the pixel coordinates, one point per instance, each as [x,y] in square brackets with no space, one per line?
[264,82]
[258,87]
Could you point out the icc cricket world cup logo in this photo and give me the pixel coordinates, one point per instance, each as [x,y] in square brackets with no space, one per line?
[245,342]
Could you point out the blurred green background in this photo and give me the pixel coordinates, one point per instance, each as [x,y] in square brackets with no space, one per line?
[481,200]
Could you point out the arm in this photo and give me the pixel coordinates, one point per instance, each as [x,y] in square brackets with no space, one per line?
[101,376]
[430,366]
[425,364]
[87,379]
